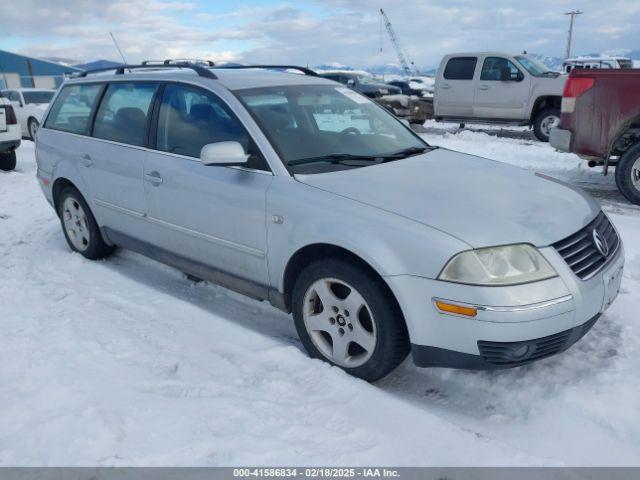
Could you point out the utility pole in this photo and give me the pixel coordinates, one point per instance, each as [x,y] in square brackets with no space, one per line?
[573,14]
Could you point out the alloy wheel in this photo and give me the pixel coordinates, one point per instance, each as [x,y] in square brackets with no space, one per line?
[76,224]
[339,322]
[547,123]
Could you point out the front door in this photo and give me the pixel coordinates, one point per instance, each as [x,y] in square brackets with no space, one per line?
[502,92]
[213,215]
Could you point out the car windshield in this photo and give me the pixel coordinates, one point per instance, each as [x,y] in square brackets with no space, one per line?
[38,96]
[320,128]
[533,66]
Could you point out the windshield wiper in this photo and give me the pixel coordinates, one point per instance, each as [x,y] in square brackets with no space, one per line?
[407,152]
[333,158]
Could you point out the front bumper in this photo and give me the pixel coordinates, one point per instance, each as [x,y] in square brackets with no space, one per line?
[516,324]
[560,139]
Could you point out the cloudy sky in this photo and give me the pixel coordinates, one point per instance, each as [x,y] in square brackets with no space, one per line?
[310,32]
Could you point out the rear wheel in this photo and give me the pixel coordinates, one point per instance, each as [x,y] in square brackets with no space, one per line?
[628,174]
[544,122]
[346,317]
[8,161]
[80,227]
[33,126]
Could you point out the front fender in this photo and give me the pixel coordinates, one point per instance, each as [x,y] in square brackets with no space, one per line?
[390,244]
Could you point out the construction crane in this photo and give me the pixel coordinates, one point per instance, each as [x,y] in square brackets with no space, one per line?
[396,44]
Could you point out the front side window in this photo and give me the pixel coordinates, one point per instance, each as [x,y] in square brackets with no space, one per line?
[122,116]
[498,68]
[309,126]
[38,96]
[72,109]
[460,68]
[191,118]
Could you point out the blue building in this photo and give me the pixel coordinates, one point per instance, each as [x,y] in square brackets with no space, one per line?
[22,71]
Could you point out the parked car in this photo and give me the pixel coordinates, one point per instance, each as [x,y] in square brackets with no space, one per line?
[596,62]
[364,84]
[290,189]
[601,122]
[29,105]
[405,88]
[495,87]
[9,135]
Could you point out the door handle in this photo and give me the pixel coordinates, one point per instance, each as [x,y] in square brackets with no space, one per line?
[483,87]
[153,178]
[445,86]
[86,160]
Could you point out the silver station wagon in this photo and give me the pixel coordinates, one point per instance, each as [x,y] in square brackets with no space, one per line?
[291,188]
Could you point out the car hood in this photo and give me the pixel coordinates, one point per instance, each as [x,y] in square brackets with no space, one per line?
[479,201]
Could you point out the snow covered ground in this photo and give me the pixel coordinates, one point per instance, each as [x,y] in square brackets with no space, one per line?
[125,362]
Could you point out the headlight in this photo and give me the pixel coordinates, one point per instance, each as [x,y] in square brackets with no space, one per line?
[507,265]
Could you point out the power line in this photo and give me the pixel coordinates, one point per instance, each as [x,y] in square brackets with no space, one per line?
[573,14]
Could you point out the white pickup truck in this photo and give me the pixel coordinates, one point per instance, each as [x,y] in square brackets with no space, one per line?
[494,87]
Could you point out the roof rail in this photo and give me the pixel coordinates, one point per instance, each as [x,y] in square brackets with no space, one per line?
[305,70]
[119,70]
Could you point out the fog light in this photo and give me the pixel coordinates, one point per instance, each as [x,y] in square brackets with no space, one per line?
[520,351]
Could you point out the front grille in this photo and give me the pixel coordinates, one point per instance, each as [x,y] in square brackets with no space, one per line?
[580,252]
[509,354]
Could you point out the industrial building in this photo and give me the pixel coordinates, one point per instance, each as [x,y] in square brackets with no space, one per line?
[21,71]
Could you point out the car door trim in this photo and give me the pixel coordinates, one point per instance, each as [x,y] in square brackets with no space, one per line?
[202,236]
[210,238]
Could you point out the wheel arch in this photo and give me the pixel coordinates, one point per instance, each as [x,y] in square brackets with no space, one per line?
[56,190]
[542,102]
[626,137]
[317,251]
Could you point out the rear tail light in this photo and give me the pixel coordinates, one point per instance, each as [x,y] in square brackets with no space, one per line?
[573,88]
[10,115]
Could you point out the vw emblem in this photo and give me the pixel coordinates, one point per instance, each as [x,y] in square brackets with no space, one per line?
[601,243]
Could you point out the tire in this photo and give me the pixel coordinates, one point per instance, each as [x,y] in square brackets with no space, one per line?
[377,321]
[544,121]
[80,227]
[32,127]
[8,161]
[628,174]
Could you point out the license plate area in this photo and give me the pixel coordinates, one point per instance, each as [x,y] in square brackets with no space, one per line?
[612,283]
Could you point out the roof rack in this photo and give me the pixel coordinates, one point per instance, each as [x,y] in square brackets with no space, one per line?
[119,70]
[305,70]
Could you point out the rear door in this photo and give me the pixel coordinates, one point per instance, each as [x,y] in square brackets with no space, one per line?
[502,91]
[115,161]
[454,93]
[213,215]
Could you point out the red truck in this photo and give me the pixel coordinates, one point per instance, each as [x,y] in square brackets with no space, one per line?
[600,121]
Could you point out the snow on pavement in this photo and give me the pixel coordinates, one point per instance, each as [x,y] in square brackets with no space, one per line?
[125,362]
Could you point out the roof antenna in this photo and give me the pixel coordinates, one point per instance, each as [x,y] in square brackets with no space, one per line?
[118,47]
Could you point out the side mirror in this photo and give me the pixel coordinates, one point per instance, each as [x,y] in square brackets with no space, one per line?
[223,154]
[351,82]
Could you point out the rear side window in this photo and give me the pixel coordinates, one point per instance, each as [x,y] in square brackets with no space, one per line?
[72,109]
[122,116]
[460,68]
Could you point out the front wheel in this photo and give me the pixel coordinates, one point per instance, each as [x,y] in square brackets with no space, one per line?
[80,227]
[33,126]
[543,123]
[628,174]
[346,316]
[8,161]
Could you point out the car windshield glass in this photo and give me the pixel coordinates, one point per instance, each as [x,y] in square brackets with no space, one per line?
[533,66]
[42,96]
[319,128]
